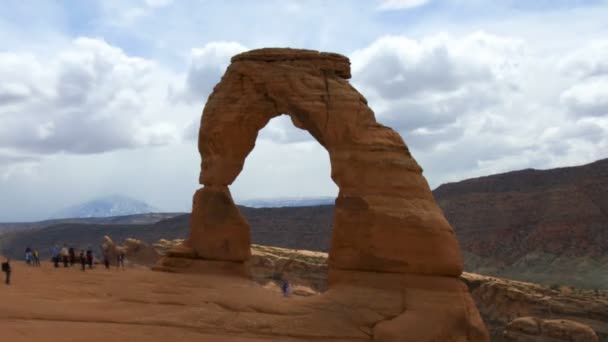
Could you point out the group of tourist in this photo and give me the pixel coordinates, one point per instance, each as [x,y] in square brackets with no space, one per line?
[120,260]
[67,257]
[32,257]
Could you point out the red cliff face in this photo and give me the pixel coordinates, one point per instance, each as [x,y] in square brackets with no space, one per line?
[549,225]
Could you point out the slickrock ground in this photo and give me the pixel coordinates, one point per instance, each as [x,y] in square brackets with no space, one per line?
[499,301]
[142,305]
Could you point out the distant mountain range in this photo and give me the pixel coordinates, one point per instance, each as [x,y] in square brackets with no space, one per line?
[115,205]
[137,219]
[288,202]
[118,205]
[293,227]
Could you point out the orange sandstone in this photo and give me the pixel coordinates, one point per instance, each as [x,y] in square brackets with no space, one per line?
[388,231]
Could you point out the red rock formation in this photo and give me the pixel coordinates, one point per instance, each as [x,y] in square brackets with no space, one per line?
[500,301]
[386,220]
[136,252]
[545,226]
[531,329]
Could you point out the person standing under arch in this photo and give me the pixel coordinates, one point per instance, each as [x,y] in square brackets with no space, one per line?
[285,288]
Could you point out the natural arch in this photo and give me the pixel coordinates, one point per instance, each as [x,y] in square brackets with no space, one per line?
[386,218]
[391,242]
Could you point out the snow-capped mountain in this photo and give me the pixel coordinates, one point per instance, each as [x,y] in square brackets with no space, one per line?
[287,202]
[115,205]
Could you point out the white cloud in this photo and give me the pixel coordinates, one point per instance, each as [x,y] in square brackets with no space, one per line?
[425,85]
[388,5]
[158,3]
[129,13]
[478,103]
[588,98]
[206,67]
[529,93]
[90,97]
[588,67]
[592,60]
[282,131]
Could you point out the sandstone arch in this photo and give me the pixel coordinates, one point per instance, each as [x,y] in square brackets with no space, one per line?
[386,218]
[387,226]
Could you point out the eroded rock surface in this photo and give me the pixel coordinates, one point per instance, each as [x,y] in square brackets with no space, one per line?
[388,234]
[135,251]
[501,300]
[532,329]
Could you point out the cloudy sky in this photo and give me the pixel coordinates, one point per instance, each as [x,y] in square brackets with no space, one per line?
[104,97]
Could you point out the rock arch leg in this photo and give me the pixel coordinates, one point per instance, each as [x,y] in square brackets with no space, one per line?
[218,230]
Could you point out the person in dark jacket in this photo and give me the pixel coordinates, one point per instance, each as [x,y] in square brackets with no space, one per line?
[120,260]
[83,260]
[90,258]
[286,288]
[6,268]
[72,254]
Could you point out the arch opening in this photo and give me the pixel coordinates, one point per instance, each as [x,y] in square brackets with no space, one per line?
[285,165]
[286,194]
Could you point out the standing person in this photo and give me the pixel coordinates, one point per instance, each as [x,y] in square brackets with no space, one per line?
[28,256]
[6,268]
[72,254]
[285,288]
[90,258]
[83,259]
[36,258]
[120,260]
[65,255]
[106,260]
[55,254]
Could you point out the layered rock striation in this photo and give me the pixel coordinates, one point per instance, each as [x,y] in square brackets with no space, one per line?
[547,226]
